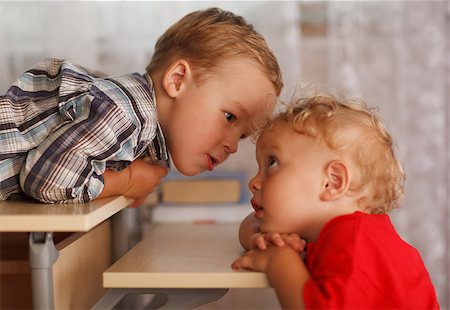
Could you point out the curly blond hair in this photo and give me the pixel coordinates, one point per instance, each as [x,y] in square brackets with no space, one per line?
[353,130]
[206,37]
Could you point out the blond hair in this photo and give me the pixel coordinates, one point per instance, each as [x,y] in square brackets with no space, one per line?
[353,130]
[204,38]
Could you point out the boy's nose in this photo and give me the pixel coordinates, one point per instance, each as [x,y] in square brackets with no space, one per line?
[254,184]
[231,146]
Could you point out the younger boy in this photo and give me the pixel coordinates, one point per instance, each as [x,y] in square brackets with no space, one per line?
[69,135]
[328,173]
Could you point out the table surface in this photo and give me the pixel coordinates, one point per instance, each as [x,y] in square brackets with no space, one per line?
[184,255]
[30,216]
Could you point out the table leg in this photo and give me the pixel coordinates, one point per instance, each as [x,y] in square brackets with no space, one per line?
[43,255]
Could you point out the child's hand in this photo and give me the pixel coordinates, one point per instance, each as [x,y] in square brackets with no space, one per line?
[294,241]
[255,259]
[144,177]
[259,260]
[136,203]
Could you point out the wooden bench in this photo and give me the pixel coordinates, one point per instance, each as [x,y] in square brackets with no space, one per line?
[189,264]
[61,249]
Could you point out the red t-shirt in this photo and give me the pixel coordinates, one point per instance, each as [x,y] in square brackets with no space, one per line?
[359,261]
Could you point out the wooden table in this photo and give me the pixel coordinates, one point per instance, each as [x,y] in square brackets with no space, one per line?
[189,263]
[41,221]
[30,216]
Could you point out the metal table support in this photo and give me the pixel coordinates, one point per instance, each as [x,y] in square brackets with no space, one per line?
[164,299]
[43,255]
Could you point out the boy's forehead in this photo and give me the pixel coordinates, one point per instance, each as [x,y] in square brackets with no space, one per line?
[267,139]
[276,134]
[263,108]
[260,115]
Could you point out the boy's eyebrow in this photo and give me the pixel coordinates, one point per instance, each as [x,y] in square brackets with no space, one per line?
[269,146]
[241,107]
[246,113]
[272,148]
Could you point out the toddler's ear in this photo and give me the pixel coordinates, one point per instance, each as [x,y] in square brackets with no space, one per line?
[336,180]
[175,77]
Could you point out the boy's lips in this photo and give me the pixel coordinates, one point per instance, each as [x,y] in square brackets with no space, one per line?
[211,162]
[259,211]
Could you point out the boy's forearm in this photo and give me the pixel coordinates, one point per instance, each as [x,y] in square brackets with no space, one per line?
[136,181]
[249,227]
[115,183]
[288,274]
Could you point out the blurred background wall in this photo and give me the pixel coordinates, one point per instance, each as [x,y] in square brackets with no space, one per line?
[394,54]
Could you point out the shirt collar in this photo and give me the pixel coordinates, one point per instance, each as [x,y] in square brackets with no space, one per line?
[157,148]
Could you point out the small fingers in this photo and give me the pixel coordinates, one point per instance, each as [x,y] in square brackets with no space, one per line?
[261,242]
[242,262]
[163,171]
[294,241]
[136,203]
[275,238]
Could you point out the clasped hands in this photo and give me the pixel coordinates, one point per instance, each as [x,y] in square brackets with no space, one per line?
[266,247]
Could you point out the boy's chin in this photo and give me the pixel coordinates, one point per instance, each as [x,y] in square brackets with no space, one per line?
[188,171]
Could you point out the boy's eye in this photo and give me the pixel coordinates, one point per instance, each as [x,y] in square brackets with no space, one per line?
[230,117]
[244,136]
[272,162]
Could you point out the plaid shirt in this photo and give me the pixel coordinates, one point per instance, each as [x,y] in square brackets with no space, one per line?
[62,126]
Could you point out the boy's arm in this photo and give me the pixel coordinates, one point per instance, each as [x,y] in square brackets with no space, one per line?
[114,182]
[138,180]
[287,274]
[248,229]
[285,271]
[68,164]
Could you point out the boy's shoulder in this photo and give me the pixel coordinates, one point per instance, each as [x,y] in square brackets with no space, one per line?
[345,237]
[350,224]
[359,238]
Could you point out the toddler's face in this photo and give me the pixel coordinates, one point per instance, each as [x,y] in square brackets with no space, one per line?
[286,190]
[208,119]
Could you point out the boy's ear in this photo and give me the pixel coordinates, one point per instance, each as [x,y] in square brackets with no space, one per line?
[336,180]
[176,77]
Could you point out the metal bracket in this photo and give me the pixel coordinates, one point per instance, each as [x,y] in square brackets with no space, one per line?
[43,255]
[164,299]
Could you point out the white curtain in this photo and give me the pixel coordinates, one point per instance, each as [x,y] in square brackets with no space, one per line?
[395,54]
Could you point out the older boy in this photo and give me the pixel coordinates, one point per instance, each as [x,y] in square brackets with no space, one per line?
[328,173]
[68,135]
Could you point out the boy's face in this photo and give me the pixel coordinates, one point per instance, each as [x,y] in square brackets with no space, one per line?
[207,120]
[286,190]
